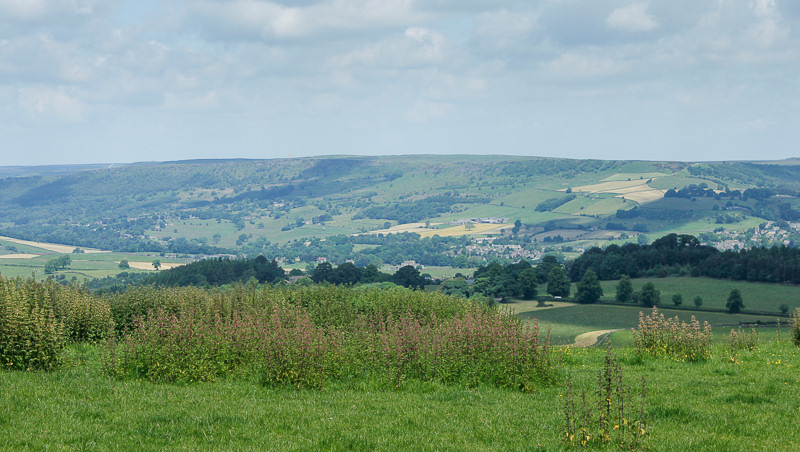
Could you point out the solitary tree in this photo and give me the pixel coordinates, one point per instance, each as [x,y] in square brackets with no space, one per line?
[156,264]
[698,301]
[677,299]
[124,265]
[649,296]
[734,303]
[589,290]
[624,290]
[557,283]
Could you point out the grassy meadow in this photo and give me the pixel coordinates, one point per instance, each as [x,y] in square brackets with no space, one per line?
[746,404]
[385,370]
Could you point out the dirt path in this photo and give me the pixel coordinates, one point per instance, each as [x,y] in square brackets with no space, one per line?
[590,338]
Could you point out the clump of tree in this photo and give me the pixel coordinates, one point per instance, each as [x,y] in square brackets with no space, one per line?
[521,279]
[554,203]
[57,263]
[589,290]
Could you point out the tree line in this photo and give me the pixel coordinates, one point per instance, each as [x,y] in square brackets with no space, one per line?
[681,255]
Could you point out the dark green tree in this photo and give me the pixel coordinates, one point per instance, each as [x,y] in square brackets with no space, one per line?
[698,301]
[677,299]
[557,283]
[456,286]
[408,276]
[124,265]
[649,296]
[589,290]
[322,272]
[544,267]
[735,303]
[624,290]
[527,282]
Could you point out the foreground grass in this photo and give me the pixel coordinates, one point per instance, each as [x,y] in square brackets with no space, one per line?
[748,403]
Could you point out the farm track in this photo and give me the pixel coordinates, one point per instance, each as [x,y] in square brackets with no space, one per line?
[590,338]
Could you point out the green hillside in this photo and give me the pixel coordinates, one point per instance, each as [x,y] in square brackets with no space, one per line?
[277,207]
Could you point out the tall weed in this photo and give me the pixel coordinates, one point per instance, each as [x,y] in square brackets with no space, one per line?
[659,336]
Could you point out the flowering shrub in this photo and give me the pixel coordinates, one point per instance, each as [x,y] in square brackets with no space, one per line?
[659,336]
[38,318]
[742,340]
[31,337]
[796,327]
[306,337]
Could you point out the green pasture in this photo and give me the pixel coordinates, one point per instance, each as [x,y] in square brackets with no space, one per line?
[678,181]
[634,176]
[529,198]
[756,296]
[749,403]
[570,321]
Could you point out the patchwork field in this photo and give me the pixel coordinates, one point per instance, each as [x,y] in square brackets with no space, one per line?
[64,249]
[92,263]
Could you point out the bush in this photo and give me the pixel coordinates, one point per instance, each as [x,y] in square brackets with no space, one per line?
[658,336]
[307,336]
[796,327]
[31,337]
[742,340]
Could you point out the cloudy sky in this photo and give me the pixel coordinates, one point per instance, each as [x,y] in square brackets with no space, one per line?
[90,81]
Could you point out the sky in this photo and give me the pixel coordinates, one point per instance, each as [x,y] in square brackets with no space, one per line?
[117,81]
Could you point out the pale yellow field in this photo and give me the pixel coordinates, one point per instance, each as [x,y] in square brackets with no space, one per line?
[479,228]
[65,249]
[18,256]
[644,196]
[149,265]
[634,190]
[397,229]
[608,187]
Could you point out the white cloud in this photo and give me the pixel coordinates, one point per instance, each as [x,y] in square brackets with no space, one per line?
[51,104]
[576,65]
[633,17]
[417,46]
[425,111]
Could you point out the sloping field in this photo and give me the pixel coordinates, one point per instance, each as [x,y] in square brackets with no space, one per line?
[18,256]
[149,265]
[65,249]
[407,227]
[644,196]
[609,187]
[633,176]
[480,228]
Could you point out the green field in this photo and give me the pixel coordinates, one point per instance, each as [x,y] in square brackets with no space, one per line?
[84,266]
[715,405]
[756,296]
[567,320]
